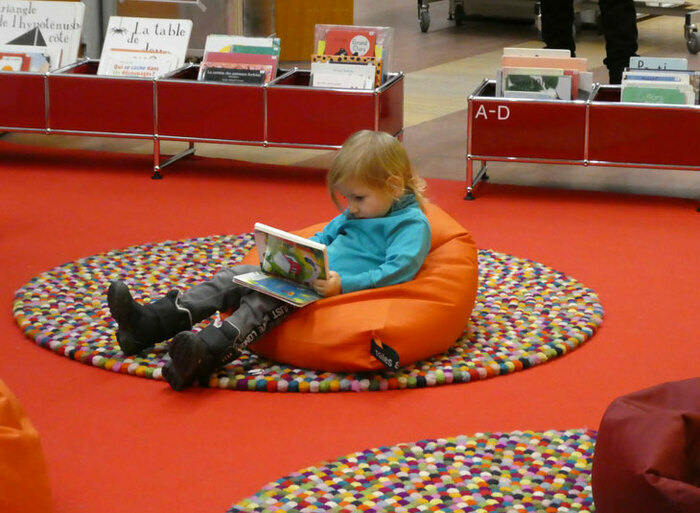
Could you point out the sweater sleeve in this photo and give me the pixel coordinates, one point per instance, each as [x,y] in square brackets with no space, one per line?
[329,232]
[408,244]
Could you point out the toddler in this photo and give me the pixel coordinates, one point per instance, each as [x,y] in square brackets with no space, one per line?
[381,238]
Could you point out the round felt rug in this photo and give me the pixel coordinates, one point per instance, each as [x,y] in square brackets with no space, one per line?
[516,472]
[525,314]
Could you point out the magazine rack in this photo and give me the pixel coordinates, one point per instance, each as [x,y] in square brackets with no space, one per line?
[597,131]
[285,112]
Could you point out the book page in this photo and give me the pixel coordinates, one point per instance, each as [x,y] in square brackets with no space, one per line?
[290,257]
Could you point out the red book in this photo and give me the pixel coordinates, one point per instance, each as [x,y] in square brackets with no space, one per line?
[14,61]
[350,42]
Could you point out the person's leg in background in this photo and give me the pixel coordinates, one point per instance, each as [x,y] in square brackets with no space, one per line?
[619,25]
[558,24]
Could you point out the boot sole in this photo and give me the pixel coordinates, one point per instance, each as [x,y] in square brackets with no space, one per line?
[186,362]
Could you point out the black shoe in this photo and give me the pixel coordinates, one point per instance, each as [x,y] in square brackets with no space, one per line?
[194,356]
[142,326]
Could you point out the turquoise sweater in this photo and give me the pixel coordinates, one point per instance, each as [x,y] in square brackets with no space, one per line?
[380,251]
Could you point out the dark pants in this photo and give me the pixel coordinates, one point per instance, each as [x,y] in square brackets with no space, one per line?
[619,25]
[254,314]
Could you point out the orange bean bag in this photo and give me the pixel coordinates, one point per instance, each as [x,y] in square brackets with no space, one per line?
[24,481]
[417,319]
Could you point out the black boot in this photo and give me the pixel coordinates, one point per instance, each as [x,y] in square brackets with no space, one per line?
[194,356]
[141,326]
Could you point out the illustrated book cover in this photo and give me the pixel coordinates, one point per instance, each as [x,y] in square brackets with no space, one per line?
[148,35]
[265,66]
[14,62]
[355,41]
[138,63]
[288,265]
[239,59]
[671,87]
[660,63]
[537,86]
[52,29]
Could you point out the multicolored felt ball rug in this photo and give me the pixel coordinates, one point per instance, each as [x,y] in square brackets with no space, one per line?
[526,314]
[522,471]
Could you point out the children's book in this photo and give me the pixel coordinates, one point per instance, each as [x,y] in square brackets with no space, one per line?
[357,42]
[39,25]
[14,62]
[288,265]
[240,59]
[145,37]
[267,64]
[341,43]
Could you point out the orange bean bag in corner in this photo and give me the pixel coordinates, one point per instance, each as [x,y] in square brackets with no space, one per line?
[417,319]
[24,481]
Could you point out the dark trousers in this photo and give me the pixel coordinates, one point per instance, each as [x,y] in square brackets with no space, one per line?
[618,22]
[254,314]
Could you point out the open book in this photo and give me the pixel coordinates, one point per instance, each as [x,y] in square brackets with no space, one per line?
[288,264]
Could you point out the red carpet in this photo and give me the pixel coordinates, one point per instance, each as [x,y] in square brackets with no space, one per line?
[115,443]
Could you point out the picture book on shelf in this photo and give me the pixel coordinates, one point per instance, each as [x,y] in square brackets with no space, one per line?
[357,42]
[661,86]
[537,86]
[339,49]
[240,59]
[288,265]
[14,62]
[139,39]
[536,52]
[138,63]
[660,63]
[51,29]
[543,73]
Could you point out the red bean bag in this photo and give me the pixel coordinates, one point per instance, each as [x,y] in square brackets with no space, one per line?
[24,481]
[647,455]
[416,319]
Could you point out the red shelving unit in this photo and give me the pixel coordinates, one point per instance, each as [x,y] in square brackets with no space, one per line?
[599,130]
[285,112]
[22,102]
[329,115]
[642,135]
[81,102]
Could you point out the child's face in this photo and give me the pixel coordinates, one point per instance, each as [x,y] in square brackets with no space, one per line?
[365,201]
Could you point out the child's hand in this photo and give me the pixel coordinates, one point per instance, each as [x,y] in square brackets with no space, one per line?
[329,287]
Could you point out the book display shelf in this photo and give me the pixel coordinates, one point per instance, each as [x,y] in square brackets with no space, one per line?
[598,131]
[177,107]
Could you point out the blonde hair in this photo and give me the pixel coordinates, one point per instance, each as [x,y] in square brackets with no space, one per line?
[378,160]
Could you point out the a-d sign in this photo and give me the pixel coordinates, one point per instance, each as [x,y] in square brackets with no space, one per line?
[502,112]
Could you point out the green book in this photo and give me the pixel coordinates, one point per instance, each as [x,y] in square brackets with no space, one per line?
[259,50]
[665,95]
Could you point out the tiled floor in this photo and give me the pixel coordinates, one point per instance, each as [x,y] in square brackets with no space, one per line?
[443,66]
